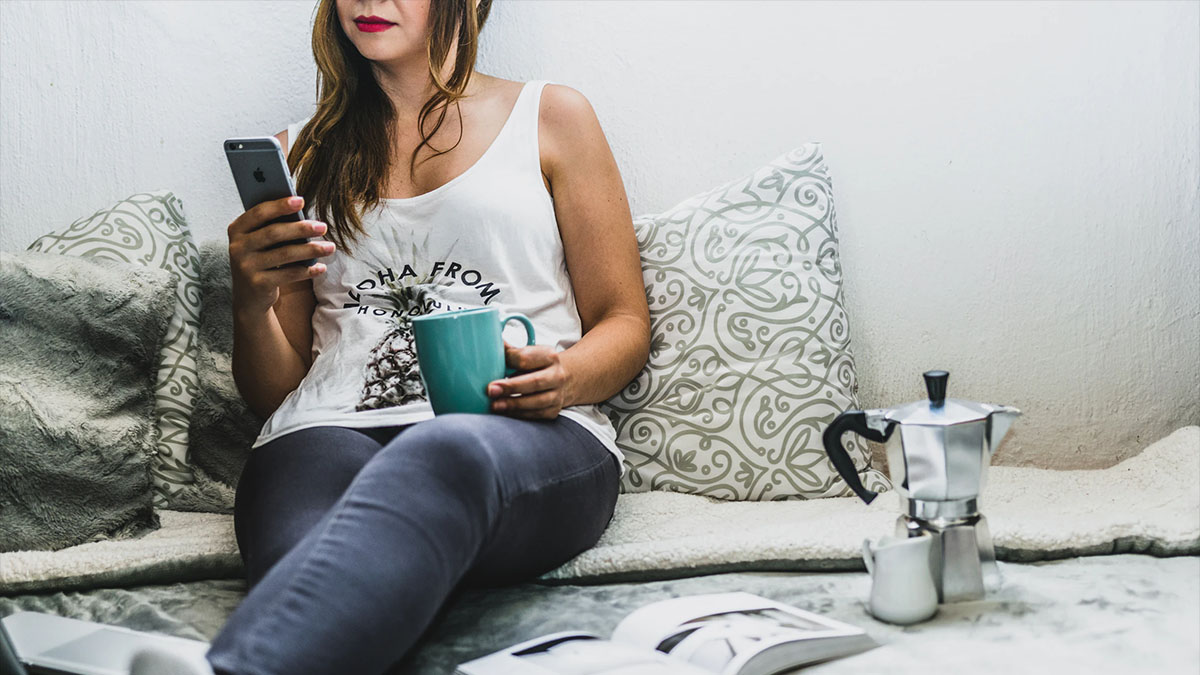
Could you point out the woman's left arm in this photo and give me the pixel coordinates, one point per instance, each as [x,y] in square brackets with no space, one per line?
[603,262]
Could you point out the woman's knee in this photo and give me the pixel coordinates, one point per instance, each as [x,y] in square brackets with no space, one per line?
[455,446]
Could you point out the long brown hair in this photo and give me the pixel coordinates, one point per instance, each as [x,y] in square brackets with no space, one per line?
[343,154]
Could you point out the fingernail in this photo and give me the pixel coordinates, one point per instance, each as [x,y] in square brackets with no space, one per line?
[320,228]
[500,405]
[493,390]
[295,201]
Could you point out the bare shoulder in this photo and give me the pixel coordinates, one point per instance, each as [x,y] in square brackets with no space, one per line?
[564,107]
[567,127]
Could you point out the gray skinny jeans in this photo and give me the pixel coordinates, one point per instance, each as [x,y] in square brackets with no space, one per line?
[354,538]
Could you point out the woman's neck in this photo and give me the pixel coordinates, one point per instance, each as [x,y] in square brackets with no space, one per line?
[409,85]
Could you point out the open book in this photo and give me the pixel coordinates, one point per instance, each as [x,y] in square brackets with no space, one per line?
[727,633]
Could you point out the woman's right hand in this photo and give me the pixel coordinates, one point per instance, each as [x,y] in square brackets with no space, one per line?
[255,282]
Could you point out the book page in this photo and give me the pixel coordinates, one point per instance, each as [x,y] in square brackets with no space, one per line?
[602,657]
[725,642]
[739,633]
[722,633]
[652,624]
[575,653]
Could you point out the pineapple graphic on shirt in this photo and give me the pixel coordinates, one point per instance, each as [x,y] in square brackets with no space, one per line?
[392,375]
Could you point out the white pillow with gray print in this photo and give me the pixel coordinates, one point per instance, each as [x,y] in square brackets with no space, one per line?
[750,350]
[150,229]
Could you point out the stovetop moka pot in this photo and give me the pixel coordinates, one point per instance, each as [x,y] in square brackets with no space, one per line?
[938,453]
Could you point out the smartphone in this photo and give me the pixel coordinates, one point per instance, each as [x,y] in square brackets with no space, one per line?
[262,175]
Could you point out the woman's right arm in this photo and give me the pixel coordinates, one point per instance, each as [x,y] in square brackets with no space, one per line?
[272,308]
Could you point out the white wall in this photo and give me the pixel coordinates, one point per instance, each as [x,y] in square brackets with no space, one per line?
[1017,182]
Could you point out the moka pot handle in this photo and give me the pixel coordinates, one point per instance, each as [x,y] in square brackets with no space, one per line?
[856,421]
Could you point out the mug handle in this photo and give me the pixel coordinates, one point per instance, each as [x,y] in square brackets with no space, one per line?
[509,372]
[868,556]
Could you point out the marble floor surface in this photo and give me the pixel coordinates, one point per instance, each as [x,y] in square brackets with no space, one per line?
[1104,614]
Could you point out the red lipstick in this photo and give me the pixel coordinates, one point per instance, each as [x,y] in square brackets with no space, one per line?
[372,24]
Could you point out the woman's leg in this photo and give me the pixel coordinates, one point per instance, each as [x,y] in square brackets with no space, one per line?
[289,483]
[559,498]
[498,497]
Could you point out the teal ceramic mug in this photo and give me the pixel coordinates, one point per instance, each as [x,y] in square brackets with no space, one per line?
[459,353]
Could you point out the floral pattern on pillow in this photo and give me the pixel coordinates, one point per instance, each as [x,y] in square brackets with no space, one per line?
[750,347]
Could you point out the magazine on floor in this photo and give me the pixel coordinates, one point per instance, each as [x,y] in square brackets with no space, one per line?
[726,633]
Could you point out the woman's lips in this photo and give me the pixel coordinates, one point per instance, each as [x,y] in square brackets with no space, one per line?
[372,24]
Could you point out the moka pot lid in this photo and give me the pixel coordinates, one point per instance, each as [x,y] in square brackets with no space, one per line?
[939,410]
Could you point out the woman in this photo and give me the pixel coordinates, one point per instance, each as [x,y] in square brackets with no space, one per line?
[358,513]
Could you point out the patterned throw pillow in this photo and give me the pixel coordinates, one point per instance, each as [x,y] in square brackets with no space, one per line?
[150,229]
[750,350]
[222,426]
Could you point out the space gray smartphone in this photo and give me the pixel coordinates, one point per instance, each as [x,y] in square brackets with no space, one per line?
[262,175]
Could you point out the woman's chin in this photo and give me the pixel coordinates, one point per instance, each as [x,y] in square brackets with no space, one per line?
[383,54]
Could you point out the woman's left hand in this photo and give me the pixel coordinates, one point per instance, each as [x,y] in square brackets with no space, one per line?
[541,381]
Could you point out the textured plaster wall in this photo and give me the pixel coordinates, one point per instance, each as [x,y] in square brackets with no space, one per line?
[1017,182]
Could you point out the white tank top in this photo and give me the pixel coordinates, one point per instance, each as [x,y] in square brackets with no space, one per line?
[487,238]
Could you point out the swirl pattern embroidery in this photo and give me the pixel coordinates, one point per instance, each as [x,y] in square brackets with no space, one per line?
[750,350]
[150,229]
